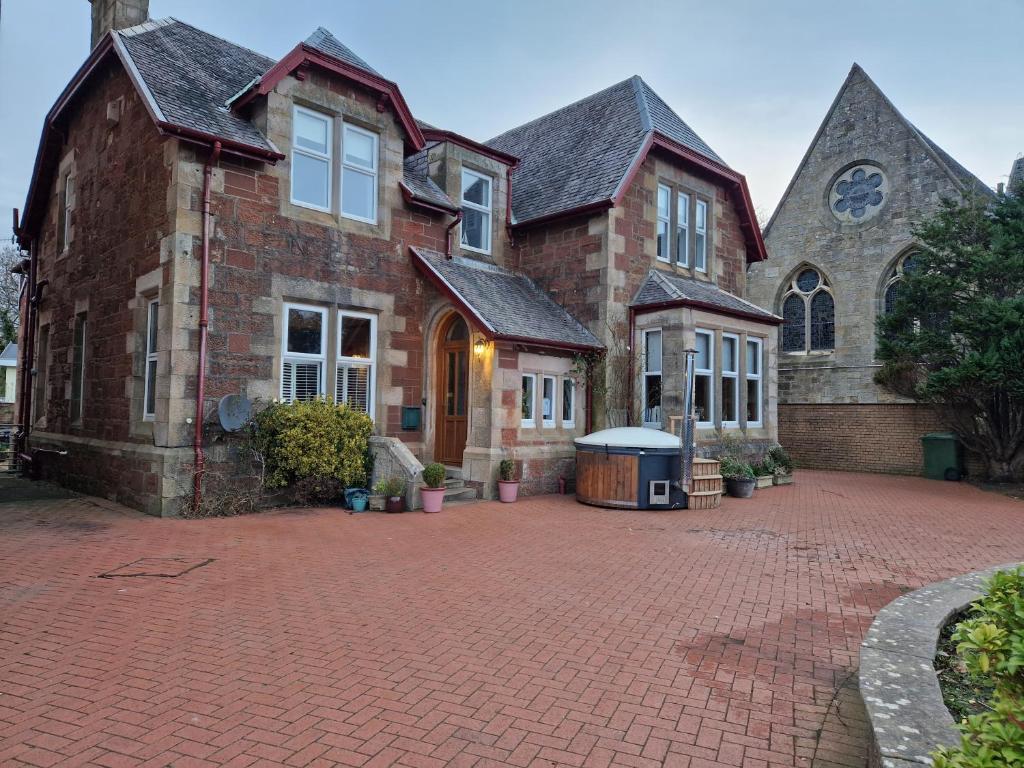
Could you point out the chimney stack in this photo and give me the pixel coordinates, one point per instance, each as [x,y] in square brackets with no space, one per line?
[116,14]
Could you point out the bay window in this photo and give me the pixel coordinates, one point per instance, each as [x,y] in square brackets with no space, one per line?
[356,361]
[568,403]
[652,378]
[664,221]
[754,377]
[476,211]
[730,380]
[704,379]
[304,352]
[528,400]
[547,401]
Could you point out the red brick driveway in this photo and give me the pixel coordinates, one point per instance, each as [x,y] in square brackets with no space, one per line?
[542,633]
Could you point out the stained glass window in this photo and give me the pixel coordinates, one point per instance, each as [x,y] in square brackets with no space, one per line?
[793,331]
[808,313]
[807,280]
[823,321]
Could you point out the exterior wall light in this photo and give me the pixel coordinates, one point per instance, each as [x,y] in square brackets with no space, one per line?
[479,347]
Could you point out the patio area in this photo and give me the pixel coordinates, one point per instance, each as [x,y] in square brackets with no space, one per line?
[542,633]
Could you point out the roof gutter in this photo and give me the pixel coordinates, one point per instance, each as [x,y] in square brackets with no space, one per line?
[643,309]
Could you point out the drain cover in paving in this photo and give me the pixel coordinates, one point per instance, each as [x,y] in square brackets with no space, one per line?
[161,567]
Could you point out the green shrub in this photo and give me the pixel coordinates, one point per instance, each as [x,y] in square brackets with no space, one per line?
[733,467]
[311,439]
[433,475]
[391,487]
[764,468]
[781,458]
[991,642]
[507,470]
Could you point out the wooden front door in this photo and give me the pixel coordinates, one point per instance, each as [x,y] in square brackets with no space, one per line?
[453,391]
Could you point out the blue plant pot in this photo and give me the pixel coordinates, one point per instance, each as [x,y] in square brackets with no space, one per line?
[359,503]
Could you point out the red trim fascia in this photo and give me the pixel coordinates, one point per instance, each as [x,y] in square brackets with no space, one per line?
[644,309]
[634,167]
[303,54]
[580,210]
[410,197]
[485,327]
[437,134]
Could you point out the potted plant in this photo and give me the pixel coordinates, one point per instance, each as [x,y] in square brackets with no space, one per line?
[739,477]
[783,465]
[393,491]
[378,501]
[508,483]
[764,472]
[433,487]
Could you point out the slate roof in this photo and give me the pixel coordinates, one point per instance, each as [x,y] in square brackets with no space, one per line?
[965,177]
[327,43]
[417,179]
[662,286]
[10,354]
[579,154]
[191,74]
[509,303]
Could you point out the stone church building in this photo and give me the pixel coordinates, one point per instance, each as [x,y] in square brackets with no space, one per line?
[839,242]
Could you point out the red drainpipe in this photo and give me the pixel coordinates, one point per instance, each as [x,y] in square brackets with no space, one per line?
[204,323]
[448,235]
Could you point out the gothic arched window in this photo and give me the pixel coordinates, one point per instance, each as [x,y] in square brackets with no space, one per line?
[808,314]
[894,279]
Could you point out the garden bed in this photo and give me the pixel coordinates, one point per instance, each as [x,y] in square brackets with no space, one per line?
[963,693]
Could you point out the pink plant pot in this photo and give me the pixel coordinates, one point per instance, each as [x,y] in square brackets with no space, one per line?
[433,499]
[508,490]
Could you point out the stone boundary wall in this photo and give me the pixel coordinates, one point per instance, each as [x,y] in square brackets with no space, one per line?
[897,677]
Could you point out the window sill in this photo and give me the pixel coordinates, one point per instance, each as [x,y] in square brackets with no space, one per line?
[464,247]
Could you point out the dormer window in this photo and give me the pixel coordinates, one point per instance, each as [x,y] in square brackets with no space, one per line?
[476,211]
[700,260]
[359,174]
[311,159]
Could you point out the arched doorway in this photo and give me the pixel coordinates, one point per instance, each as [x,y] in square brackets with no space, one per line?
[453,391]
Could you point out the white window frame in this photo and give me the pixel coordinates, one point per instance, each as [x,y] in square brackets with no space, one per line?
[648,373]
[373,173]
[341,361]
[329,157]
[683,228]
[483,209]
[709,372]
[303,357]
[700,255]
[664,220]
[569,423]
[758,377]
[532,420]
[151,358]
[545,422]
[735,376]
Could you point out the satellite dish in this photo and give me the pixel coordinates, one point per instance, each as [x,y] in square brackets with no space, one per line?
[233,411]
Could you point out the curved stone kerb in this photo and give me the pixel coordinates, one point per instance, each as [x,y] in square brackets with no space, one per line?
[897,677]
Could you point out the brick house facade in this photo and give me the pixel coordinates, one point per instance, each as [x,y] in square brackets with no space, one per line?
[839,241]
[354,253]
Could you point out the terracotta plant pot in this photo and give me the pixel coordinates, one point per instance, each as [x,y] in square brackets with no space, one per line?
[395,504]
[433,499]
[508,490]
[740,487]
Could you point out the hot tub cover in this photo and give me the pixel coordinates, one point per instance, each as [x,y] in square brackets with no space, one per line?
[630,437]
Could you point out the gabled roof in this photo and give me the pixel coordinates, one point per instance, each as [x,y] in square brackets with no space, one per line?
[418,187]
[664,289]
[505,306]
[325,42]
[582,157]
[965,181]
[9,356]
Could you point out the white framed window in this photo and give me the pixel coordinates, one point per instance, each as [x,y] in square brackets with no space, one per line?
[152,334]
[683,229]
[356,363]
[704,379]
[66,206]
[755,398]
[664,221]
[304,352]
[547,401]
[528,400]
[311,159]
[358,174]
[730,380]
[476,211]
[652,378]
[568,402]
[78,367]
[700,256]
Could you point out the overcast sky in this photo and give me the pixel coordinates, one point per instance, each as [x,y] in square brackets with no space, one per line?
[753,78]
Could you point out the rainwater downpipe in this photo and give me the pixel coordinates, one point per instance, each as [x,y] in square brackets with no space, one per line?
[448,235]
[204,324]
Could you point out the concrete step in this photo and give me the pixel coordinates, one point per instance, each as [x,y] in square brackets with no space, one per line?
[453,473]
[461,493]
[454,482]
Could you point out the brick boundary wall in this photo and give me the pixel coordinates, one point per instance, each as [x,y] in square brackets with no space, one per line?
[861,437]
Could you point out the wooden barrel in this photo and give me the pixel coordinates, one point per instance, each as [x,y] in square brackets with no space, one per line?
[607,479]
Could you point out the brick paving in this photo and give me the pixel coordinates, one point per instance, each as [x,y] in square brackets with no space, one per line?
[543,633]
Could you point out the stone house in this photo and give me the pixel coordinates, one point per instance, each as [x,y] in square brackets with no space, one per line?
[840,240]
[204,221]
[8,380]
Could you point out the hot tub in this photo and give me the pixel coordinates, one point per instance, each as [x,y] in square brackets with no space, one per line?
[629,467]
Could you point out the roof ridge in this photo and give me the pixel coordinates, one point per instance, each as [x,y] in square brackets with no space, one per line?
[147,26]
[665,282]
[641,103]
[557,110]
[154,24]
